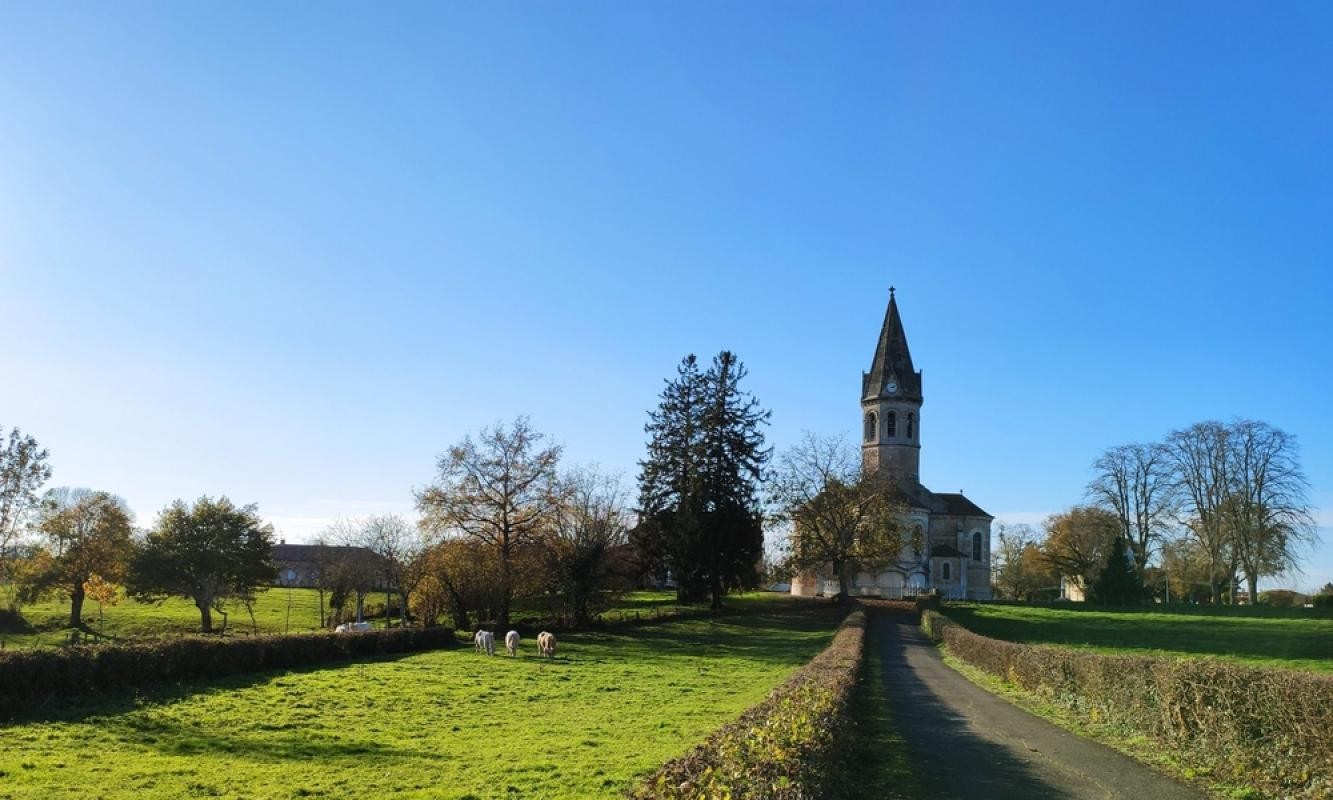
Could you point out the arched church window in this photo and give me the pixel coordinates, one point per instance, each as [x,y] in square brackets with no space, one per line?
[944,570]
[918,541]
[976,545]
[911,424]
[892,424]
[870,427]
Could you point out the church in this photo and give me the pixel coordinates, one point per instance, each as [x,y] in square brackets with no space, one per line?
[948,549]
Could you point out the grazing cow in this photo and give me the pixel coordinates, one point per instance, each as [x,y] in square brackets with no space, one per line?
[485,642]
[511,642]
[546,644]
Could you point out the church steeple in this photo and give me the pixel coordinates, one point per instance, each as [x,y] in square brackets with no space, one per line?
[893,360]
[891,402]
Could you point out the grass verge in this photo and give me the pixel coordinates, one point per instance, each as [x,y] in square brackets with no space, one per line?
[877,756]
[1119,737]
[1237,724]
[1290,638]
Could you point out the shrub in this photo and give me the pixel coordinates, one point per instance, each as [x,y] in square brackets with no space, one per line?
[32,677]
[785,748]
[1282,598]
[1265,726]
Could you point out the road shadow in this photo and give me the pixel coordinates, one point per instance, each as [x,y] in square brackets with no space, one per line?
[949,760]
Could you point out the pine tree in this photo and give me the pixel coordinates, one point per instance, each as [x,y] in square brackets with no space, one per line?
[698,485]
[1119,582]
[733,462]
[667,538]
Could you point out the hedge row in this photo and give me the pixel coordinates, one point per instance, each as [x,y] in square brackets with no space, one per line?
[786,748]
[1266,727]
[29,678]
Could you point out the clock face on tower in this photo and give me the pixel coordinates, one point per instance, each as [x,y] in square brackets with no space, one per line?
[891,387]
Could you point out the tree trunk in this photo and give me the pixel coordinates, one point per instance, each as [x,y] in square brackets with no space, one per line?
[1252,581]
[459,612]
[844,584]
[322,622]
[205,615]
[1213,589]
[76,606]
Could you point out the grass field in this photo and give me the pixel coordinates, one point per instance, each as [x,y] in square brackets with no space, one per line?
[448,724]
[47,620]
[1289,639]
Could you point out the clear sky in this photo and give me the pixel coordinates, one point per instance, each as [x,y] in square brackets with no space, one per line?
[289,253]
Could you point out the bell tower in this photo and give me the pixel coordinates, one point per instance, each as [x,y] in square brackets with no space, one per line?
[891,406]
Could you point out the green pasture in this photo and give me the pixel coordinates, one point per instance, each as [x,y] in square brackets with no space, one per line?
[1288,639]
[46,621]
[447,724]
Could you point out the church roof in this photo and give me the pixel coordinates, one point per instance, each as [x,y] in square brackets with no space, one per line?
[892,359]
[956,505]
[950,505]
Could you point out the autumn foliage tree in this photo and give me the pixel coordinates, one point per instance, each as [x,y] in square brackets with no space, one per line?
[1078,541]
[87,538]
[839,514]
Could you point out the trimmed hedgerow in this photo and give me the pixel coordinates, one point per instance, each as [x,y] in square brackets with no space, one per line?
[786,748]
[30,678]
[1263,726]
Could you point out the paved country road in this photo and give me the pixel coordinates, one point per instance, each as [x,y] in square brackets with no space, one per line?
[965,743]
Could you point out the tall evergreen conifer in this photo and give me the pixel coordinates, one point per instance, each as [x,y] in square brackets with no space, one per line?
[699,513]
[1119,582]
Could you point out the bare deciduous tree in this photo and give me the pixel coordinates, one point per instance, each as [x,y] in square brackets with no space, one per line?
[1135,481]
[353,570]
[398,543]
[500,490]
[588,542]
[840,515]
[1198,457]
[1266,515]
[1020,571]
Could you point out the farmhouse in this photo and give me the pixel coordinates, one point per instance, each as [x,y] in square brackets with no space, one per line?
[949,546]
[308,566]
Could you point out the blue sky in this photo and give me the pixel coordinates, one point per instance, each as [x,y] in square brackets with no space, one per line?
[289,254]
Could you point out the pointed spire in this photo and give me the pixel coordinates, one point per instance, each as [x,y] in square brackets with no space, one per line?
[893,359]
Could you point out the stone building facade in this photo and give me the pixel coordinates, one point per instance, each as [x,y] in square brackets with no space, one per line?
[948,545]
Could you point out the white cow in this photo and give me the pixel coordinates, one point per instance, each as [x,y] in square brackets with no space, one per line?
[546,644]
[485,642]
[511,643]
[352,627]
